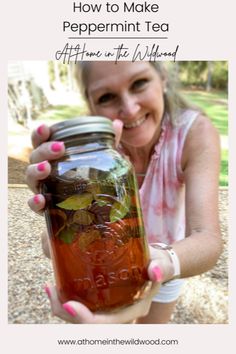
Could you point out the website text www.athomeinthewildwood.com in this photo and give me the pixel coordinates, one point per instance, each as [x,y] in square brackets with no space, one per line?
[118,342]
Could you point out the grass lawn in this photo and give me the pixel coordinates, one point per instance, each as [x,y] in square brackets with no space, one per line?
[215,105]
[59,113]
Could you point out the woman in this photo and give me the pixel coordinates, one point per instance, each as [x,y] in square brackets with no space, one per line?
[176,155]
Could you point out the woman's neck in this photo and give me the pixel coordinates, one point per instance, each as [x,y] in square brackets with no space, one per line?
[140,156]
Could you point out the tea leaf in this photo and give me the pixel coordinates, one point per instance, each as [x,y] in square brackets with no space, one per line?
[120,209]
[104,199]
[86,238]
[83,217]
[67,235]
[101,202]
[77,201]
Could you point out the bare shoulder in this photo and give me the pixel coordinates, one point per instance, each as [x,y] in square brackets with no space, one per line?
[203,131]
[202,142]
[203,125]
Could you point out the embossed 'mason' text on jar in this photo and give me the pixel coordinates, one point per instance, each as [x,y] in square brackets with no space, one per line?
[94,220]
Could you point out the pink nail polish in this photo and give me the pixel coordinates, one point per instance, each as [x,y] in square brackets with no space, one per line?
[57,146]
[40,129]
[47,291]
[36,199]
[157,274]
[69,309]
[41,166]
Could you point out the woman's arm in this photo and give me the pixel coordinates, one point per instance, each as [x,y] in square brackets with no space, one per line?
[201,248]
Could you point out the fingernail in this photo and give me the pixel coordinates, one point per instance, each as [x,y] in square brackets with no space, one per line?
[56,147]
[36,199]
[157,274]
[118,122]
[40,129]
[69,309]
[41,166]
[47,291]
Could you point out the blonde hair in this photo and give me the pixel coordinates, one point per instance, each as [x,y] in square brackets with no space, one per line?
[174,101]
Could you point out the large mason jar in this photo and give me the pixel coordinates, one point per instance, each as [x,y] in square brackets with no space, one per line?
[94,220]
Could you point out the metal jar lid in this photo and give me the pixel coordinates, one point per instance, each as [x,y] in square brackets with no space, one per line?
[81,125]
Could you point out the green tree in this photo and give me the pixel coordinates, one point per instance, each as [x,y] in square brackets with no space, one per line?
[204,74]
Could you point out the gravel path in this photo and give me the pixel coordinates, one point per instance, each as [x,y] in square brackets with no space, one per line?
[204,298]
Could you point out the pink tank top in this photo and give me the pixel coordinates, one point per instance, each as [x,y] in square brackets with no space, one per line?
[163,192]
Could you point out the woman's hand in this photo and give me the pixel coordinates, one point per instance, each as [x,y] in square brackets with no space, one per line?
[76,312]
[45,151]
[40,168]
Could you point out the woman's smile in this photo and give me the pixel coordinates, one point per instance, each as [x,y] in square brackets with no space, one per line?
[136,123]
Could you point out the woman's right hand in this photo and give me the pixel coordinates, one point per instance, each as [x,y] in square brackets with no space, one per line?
[39,169]
[45,151]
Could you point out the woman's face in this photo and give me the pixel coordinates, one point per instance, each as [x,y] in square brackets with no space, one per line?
[131,92]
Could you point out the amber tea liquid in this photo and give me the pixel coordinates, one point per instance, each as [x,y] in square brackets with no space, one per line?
[99,257]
